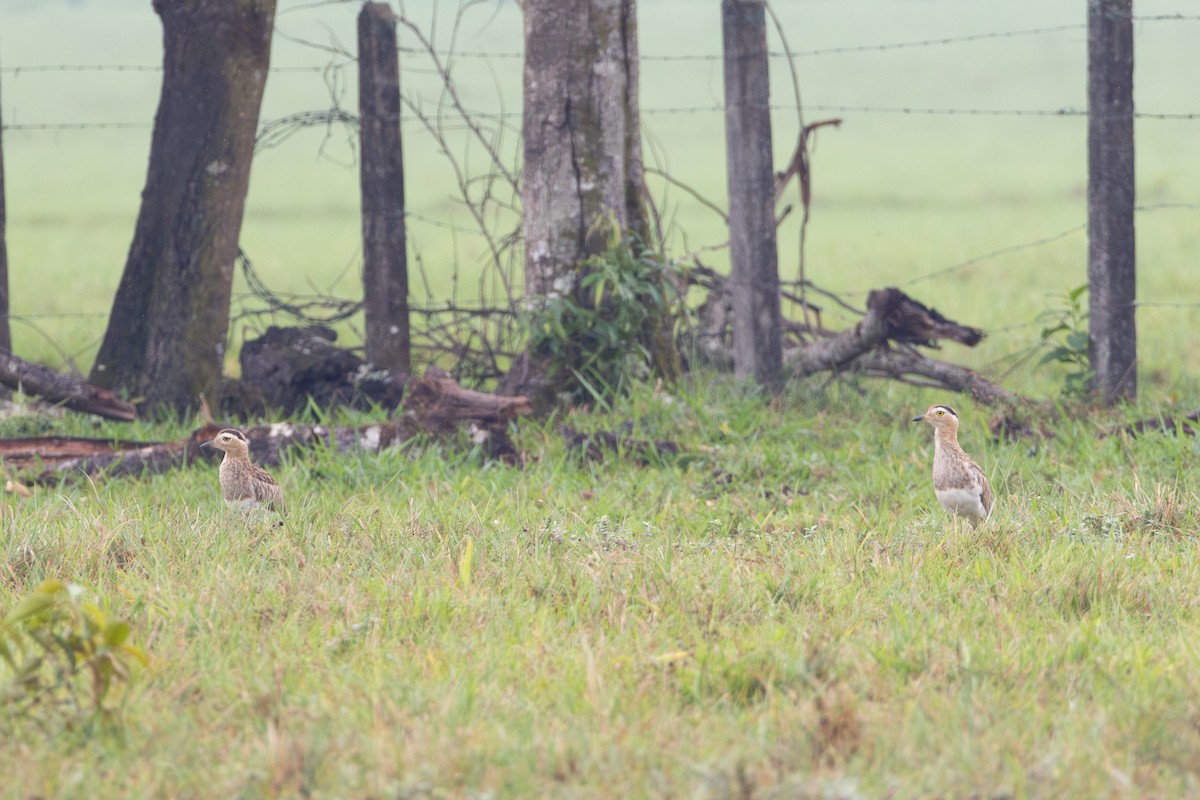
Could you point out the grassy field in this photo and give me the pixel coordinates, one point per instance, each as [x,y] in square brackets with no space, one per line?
[780,611]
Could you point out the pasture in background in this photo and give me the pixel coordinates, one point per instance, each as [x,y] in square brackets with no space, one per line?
[949,152]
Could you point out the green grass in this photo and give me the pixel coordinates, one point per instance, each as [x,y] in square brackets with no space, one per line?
[781,611]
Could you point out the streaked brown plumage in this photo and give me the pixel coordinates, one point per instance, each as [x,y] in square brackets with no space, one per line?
[958,482]
[244,485]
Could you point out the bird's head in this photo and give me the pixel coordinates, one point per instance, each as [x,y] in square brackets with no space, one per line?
[940,417]
[230,440]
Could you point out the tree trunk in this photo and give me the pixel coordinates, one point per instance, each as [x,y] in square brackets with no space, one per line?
[754,273]
[5,330]
[385,268]
[582,187]
[1112,275]
[166,335]
[582,135]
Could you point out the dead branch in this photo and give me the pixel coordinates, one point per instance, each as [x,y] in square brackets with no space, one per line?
[912,322]
[55,387]
[798,166]
[905,363]
[835,352]
[892,318]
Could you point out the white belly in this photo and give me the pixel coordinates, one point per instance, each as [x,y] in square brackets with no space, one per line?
[966,502]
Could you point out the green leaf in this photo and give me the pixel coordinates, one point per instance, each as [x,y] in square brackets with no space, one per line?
[1078,341]
[1048,332]
[1057,354]
[31,605]
[6,654]
[136,653]
[115,633]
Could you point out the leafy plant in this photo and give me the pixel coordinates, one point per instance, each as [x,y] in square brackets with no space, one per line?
[609,325]
[1066,334]
[65,656]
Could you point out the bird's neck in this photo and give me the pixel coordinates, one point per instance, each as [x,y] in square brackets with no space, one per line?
[946,438]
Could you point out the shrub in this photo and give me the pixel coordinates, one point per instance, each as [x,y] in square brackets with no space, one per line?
[611,327]
[65,656]
[1067,326]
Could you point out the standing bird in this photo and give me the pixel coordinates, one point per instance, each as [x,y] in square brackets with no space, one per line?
[959,483]
[244,485]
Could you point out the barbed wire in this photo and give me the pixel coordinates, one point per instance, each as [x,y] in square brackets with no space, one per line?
[501,117]
[929,111]
[35,68]
[1039,242]
[910,110]
[74,126]
[843,49]
[1001,251]
[516,54]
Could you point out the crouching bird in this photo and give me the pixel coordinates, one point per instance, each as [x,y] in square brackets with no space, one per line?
[959,483]
[244,485]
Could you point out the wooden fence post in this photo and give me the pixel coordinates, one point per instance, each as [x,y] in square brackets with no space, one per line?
[754,274]
[385,257]
[1112,275]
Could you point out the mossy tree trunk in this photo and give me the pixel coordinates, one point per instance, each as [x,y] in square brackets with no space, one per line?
[582,134]
[583,178]
[165,341]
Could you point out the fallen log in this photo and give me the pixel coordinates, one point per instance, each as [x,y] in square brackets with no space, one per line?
[437,408]
[1169,424]
[437,403]
[77,395]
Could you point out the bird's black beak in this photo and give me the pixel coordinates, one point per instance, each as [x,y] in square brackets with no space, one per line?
[918,419]
[206,444]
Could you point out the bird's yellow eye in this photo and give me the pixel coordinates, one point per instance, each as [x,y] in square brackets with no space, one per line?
[941,413]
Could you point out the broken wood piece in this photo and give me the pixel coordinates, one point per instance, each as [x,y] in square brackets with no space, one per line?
[77,395]
[438,404]
[291,367]
[913,322]
[438,408]
[1168,424]
[49,459]
[46,459]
